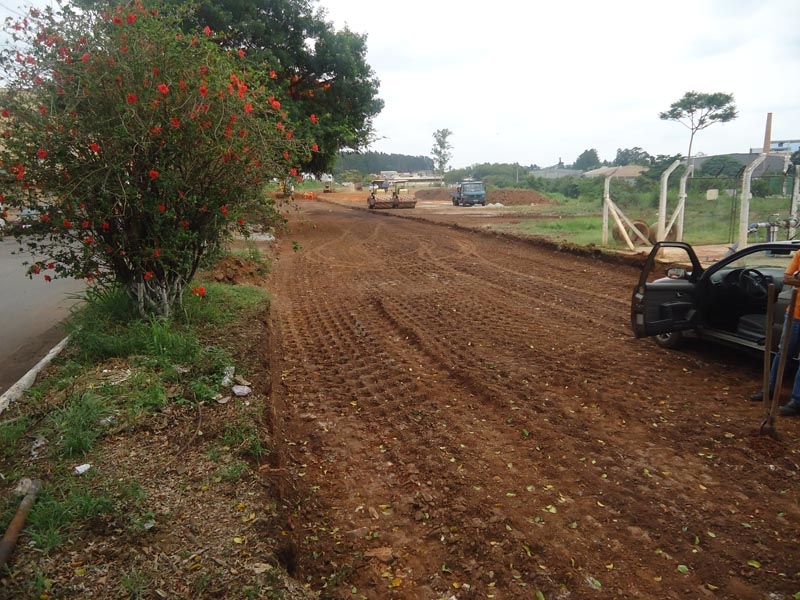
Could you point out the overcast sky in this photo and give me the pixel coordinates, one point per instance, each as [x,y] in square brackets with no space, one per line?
[535,82]
[532,82]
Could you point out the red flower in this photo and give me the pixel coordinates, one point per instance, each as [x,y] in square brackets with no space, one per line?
[175,122]
[132,98]
[5,113]
[85,224]
[156,130]
[241,53]
[314,148]
[35,269]
[117,20]
[67,223]
[156,252]
[162,87]
[286,154]
[293,172]
[203,90]
[153,174]
[184,223]
[207,30]
[131,18]
[199,291]
[313,118]
[273,75]
[88,240]
[148,275]
[162,208]
[94,147]
[224,209]
[85,57]
[41,153]
[240,221]
[248,108]
[106,226]
[48,278]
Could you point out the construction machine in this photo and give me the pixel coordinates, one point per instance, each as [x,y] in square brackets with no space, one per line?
[392,194]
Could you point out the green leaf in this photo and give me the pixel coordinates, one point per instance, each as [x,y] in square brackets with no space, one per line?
[539,595]
[754,563]
[593,583]
[683,569]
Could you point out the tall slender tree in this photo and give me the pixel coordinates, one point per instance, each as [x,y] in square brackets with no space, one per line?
[441,149]
[697,110]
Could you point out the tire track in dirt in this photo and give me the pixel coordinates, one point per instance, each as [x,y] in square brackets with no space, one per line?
[407,404]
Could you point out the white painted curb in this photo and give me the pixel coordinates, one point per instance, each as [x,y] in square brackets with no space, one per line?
[27,380]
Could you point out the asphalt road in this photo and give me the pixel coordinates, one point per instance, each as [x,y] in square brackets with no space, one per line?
[31,314]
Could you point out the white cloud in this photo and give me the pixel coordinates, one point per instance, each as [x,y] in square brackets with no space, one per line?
[535,82]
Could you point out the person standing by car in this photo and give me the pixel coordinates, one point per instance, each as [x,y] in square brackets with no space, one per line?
[791,408]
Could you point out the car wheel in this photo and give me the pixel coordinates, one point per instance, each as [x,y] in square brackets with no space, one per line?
[671,341]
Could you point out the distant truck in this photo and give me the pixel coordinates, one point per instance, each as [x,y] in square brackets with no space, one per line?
[468,193]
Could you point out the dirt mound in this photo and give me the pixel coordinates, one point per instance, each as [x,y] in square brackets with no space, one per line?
[516,197]
[237,270]
[493,196]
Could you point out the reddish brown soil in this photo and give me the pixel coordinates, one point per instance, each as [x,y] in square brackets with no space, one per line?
[464,415]
[450,414]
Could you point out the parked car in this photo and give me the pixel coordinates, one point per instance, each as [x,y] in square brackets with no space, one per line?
[28,216]
[725,302]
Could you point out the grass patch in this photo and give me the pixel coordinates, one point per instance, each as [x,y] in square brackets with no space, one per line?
[118,374]
[579,220]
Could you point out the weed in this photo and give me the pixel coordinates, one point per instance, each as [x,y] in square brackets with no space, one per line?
[134,584]
[12,433]
[244,438]
[233,471]
[53,515]
[77,424]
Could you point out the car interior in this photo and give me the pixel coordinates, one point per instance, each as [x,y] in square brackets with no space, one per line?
[736,298]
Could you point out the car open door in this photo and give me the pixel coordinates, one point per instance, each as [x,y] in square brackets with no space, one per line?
[666,304]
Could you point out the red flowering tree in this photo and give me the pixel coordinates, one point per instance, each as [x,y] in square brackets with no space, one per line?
[139,146]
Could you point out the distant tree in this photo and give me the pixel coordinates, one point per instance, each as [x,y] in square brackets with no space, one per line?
[631,156]
[696,111]
[375,162]
[441,149]
[721,166]
[587,160]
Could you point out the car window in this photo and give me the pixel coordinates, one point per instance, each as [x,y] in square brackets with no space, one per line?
[772,259]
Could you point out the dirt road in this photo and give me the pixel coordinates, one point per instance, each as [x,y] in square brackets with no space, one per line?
[463,415]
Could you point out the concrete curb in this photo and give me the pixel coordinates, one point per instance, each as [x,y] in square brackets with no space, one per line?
[27,380]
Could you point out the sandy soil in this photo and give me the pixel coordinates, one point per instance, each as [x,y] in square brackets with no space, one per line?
[466,415]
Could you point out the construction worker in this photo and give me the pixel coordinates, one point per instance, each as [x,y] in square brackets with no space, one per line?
[791,408]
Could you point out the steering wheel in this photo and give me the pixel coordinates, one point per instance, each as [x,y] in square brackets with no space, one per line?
[753,283]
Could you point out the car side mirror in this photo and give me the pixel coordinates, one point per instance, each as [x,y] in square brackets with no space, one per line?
[676,273]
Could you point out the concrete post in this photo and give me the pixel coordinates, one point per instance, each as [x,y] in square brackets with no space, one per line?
[744,210]
[662,202]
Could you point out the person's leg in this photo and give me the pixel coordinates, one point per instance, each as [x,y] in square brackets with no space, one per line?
[793,406]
